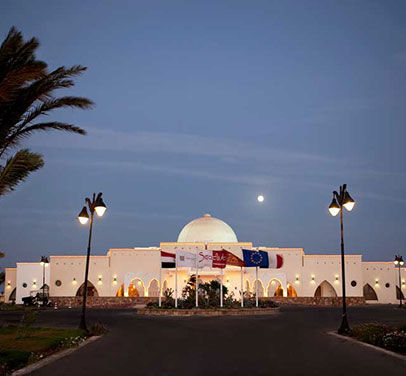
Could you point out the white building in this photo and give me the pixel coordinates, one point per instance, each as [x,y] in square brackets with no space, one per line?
[135,271]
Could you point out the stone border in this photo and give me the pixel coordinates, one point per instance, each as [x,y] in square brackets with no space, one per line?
[207,312]
[52,358]
[376,348]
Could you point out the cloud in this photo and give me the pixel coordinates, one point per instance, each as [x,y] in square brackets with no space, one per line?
[176,143]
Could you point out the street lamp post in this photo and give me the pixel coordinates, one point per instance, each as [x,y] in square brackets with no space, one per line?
[44,263]
[95,205]
[340,200]
[399,262]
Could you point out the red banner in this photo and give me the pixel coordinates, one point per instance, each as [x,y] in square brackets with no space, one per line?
[223,258]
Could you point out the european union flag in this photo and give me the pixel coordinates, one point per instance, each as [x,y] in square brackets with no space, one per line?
[255,258]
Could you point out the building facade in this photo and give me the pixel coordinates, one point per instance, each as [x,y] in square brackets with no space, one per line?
[136,271]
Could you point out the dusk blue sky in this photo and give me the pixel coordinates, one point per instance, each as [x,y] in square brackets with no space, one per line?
[201,106]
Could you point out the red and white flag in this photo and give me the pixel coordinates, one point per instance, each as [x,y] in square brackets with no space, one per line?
[167,260]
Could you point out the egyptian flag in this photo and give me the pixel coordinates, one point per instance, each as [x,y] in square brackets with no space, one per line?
[167,260]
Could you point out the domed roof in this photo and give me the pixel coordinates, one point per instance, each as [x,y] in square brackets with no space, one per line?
[207,229]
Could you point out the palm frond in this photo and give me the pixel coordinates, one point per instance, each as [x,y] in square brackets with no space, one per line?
[17,169]
[52,104]
[44,127]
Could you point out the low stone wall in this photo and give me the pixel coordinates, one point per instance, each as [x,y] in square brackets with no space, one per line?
[317,301]
[101,301]
[207,312]
[130,302]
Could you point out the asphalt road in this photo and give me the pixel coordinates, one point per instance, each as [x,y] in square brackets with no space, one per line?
[294,342]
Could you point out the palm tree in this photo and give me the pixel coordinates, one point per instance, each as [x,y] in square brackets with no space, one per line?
[26,94]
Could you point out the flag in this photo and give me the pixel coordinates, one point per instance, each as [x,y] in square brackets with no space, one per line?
[255,258]
[205,258]
[184,258]
[167,260]
[219,259]
[232,259]
[275,261]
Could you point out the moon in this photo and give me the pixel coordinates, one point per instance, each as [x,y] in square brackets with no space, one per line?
[260,198]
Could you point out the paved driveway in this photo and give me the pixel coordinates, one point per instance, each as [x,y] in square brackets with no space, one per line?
[291,343]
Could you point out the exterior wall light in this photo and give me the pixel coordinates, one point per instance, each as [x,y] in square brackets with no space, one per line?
[100,280]
[9,285]
[74,282]
[376,282]
[115,281]
[336,281]
[297,280]
[312,281]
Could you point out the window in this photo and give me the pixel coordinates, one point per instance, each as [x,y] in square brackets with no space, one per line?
[58,282]
[353,283]
[387,285]
[24,285]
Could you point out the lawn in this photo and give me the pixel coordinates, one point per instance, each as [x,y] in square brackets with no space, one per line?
[21,345]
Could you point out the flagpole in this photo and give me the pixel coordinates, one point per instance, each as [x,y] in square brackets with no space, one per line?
[256,286]
[197,280]
[242,289]
[160,284]
[221,289]
[176,280]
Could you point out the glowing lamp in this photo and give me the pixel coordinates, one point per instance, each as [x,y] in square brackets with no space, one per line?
[100,207]
[83,216]
[334,209]
[348,203]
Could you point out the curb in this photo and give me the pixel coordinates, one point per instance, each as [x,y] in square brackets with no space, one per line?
[207,312]
[376,348]
[52,358]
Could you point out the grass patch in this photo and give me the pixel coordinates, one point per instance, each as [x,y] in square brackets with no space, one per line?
[388,337]
[22,345]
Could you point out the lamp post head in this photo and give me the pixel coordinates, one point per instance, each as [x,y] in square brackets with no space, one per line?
[100,206]
[348,201]
[401,262]
[334,208]
[398,260]
[83,216]
[44,260]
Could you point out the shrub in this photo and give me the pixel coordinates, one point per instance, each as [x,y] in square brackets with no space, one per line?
[370,333]
[391,338]
[395,341]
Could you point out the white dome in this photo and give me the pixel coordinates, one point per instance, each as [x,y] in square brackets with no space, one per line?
[207,230]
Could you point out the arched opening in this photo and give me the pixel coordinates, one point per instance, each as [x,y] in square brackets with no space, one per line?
[260,288]
[399,293]
[247,287]
[135,289]
[274,288]
[369,293]
[153,288]
[291,291]
[91,290]
[164,287]
[12,296]
[325,289]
